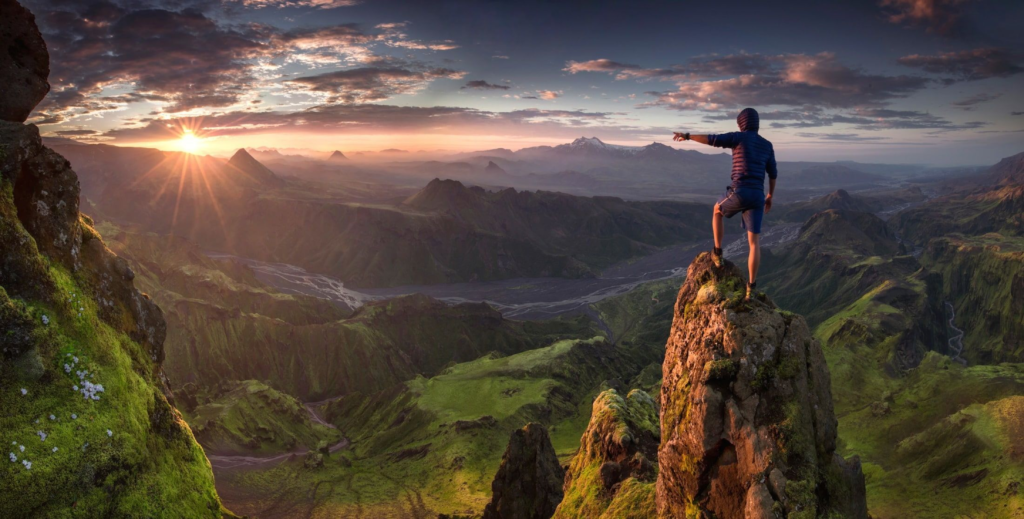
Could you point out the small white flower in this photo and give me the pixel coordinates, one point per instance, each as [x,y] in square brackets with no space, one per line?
[46,320]
[67,368]
[53,417]
[55,449]
[74,416]
[24,391]
[27,464]
[75,388]
[84,445]
[13,457]
[21,448]
[110,433]
[69,354]
[75,359]
[42,435]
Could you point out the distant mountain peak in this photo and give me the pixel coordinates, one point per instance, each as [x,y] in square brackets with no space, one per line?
[494,168]
[588,141]
[336,156]
[242,157]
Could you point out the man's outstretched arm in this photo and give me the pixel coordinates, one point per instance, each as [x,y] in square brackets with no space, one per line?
[695,137]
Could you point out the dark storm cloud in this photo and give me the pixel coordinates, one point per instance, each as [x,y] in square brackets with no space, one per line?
[945,17]
[483,85]
[969,64]
[368,84]
[360,118]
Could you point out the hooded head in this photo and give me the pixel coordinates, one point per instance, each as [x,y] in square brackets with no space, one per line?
[748,120]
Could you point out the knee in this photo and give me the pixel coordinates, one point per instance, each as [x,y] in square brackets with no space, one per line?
[718,210]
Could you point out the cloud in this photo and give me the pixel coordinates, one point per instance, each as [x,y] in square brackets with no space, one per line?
[483,85]
[182,59]
[1016,113]
[970,102]
[851,137]
[549,95]
[943,17]
[499,56]
[876,119]
[395,36]
[369,84]
[969,64]
[76,133]
[706,67]
[319,4]
[795,80]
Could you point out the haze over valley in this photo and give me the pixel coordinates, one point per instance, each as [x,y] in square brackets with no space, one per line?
[332,258]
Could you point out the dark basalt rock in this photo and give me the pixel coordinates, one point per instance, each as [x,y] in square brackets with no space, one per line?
[528,484]
[747,424]
[24,62]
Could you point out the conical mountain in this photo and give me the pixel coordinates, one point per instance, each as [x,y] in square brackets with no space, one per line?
[337,156]
[245,163]
[494,169]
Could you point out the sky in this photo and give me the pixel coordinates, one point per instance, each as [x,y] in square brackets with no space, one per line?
[936,82]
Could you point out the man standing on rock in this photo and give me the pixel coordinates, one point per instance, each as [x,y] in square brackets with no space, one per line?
[752,158]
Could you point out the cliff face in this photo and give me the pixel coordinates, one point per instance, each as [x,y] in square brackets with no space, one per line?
[613,473]
[90,429]
[747,424]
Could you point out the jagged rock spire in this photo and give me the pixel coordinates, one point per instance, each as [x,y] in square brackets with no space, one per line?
[747,425]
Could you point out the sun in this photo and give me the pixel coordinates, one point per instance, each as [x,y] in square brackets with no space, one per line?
[190,143]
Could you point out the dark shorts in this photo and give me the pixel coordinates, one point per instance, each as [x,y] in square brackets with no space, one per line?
[748,201]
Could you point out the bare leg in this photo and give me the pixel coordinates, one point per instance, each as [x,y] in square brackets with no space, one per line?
[718,226]
[754,261]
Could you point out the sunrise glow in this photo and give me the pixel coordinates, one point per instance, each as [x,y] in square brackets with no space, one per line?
[190,143]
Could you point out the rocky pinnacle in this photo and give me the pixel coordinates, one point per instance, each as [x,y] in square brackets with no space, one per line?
[747,424]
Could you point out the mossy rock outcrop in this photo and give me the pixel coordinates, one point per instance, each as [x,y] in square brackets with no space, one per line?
[747,423]
[614,471]
[83,407]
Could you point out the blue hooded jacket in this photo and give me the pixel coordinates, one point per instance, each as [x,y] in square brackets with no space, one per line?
[752,155]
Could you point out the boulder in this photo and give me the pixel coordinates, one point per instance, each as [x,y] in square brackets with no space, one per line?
[747,424]
[528,484]
[24,62]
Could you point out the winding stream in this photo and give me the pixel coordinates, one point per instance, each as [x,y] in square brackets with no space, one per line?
[956,342]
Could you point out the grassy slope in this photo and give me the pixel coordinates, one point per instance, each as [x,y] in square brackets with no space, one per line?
[305,346]
[923,436]
[434,444]
[984,280]
[252,418]
[148,464]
